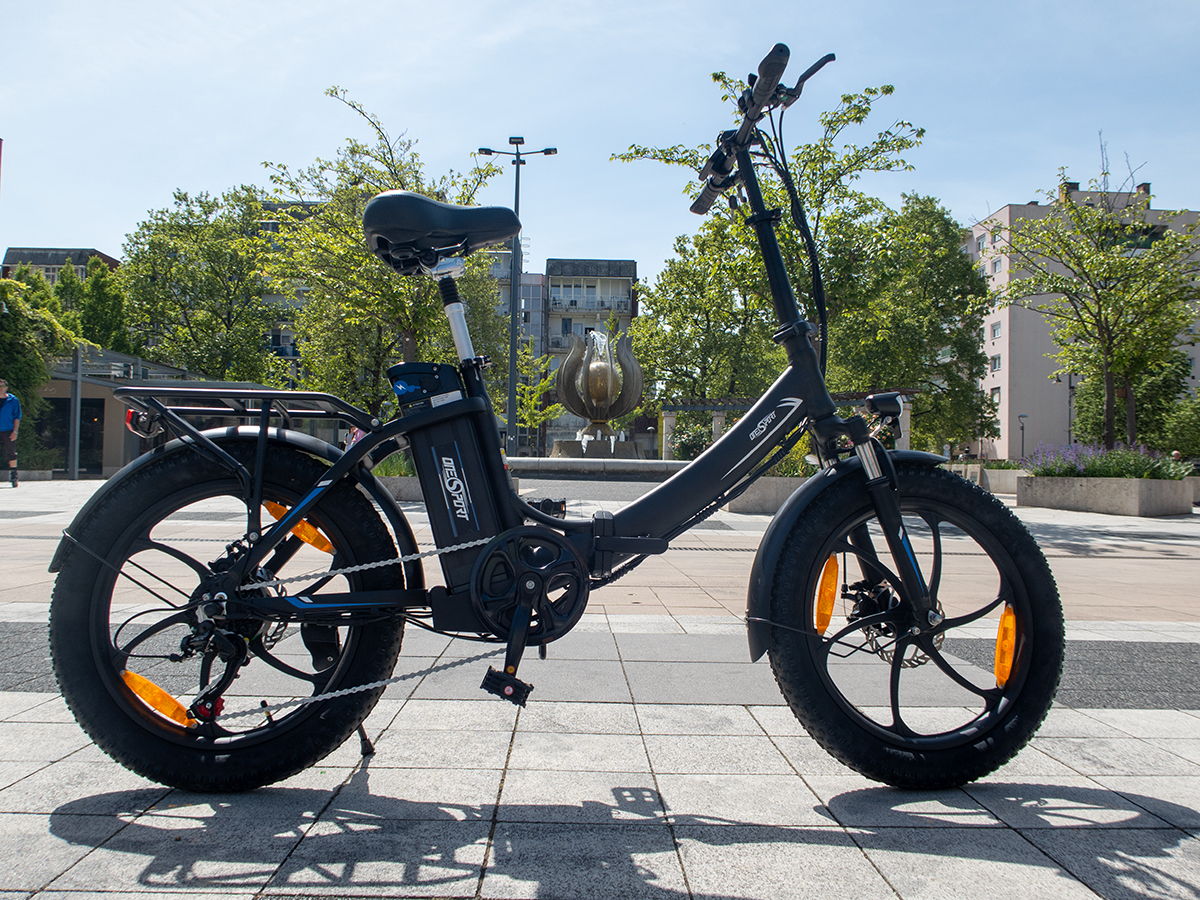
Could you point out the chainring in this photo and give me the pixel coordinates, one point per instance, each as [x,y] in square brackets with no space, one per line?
[530,552]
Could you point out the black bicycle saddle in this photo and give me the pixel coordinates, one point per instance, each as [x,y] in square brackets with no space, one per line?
[408,230]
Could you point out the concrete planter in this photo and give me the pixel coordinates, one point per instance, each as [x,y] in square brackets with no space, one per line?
[48,474]
[1115,496]
[1194,481]
[1001,481]
[765,496]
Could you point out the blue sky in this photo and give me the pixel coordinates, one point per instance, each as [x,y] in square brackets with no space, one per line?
[106,108]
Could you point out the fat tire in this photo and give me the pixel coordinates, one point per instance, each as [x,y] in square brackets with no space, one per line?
[79,609]
[831,718]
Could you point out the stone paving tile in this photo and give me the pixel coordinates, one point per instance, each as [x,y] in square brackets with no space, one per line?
[385,857]
[455,715]
[1149,723]
[81,788]
[1119,863]
[1072,802]
[1188,748]
[777,720]
[687,648]
[14,703]
[693,719]
[132,895]
[53,711]
[12,772]
[808,757]
[212,855]
[583,861]
[1173,798]
[438,795]
[856,802]
[1031,763]
[1061,722]
[580,798]
[540,751]
[739,800]
[690,682]
[964,863]
[299,799]
[430,749]
[38,848]
[715,754]
[777,863]
[32,742]
[1114,756]
[579,718]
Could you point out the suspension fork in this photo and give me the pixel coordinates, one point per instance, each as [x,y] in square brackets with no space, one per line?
[885,498]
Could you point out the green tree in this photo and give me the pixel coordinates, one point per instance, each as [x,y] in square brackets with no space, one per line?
[30,339]
[536,380]
[102,310]
[919,328]
[383,318]
[37,292]
[68,291]
[196,287]
[1159,390]
[1117,284]
[904,304]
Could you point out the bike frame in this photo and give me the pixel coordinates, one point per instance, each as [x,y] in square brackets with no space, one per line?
[798,398]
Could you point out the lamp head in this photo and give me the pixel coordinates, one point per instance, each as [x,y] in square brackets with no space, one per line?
[516,141]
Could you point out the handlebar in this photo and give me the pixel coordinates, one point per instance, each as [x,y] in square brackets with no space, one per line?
[770,70]
[763,93]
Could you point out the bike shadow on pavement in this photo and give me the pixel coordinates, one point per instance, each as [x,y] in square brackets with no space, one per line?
[308,841]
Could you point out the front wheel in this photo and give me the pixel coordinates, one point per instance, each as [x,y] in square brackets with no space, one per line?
[909,703]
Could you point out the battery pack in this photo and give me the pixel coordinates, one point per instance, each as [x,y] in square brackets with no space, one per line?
[424,385]
[457,495]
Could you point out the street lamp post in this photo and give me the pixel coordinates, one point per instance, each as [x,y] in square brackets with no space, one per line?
[514,290]
[1021,421]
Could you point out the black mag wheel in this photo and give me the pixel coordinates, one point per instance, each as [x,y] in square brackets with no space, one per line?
[127,624]
[922,710]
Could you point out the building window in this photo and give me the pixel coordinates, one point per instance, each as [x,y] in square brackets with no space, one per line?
[566,326]
[996,265]
[994,362]
[995,237]
[996,397]
[980,243]
[995,330]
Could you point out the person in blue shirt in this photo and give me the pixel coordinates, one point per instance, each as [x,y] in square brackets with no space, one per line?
[10,424]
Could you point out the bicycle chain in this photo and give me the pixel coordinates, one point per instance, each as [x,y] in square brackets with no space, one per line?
[344,692]
[333,695]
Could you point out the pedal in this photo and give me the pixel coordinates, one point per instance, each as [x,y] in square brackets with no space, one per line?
[507,686]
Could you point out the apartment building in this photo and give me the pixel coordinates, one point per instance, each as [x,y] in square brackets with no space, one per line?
[1035,406]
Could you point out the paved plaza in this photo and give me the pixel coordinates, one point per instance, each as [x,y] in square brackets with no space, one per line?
[653,759]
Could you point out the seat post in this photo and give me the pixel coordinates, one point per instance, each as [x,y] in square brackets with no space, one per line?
[447,272]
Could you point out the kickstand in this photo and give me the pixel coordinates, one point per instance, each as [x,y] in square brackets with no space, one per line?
[364,742]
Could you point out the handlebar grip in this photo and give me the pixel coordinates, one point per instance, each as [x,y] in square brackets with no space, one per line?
[707,197]
[770,70]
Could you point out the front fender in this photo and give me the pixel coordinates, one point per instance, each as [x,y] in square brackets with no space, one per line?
[762,573]
[306,443]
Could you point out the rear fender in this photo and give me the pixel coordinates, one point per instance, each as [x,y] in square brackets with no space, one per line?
[407,544]
[762,573]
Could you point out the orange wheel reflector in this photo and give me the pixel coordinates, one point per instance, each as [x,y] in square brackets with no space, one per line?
[158,699]
[304,530]
[1006,645]
[827,591]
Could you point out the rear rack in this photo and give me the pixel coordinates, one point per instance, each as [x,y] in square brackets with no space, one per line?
[248,402]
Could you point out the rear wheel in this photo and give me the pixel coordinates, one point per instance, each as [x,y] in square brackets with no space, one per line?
[128,624]
[921,710]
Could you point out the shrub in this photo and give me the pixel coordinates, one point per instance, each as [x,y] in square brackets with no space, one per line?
[1093,461]
[690,438]
[1001,464]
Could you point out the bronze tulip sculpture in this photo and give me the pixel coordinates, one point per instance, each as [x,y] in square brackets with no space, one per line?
[600,382]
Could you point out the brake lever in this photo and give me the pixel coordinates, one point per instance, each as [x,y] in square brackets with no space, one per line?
[791,95]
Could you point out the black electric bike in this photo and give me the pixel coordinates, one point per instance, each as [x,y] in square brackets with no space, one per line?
[229,607]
